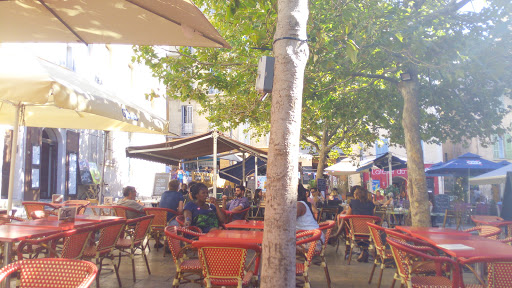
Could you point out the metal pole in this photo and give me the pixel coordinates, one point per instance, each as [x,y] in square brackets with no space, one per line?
[105,151]
[12,167]
[215,164]
[255,175]
[390,175]
[243,169]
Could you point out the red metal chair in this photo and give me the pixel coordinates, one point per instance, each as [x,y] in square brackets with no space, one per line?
[159,222]
[306,245]
[49,272]
[384,255]
[121,211]
[326,228]
[342,234]
[405,255]
[32,206]
[229,214]
[135,241]
[490,232]
[81,205]
[499,272]
[4,219]
[358,230]
[223,264]
[185,267]
[73,244]
[109,234]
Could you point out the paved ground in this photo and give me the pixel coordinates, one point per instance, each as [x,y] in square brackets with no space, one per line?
[163,269]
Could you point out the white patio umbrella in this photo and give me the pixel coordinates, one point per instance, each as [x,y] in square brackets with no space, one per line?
[137,22]
[37,93]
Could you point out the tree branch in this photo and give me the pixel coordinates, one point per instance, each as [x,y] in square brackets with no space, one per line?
[375,76]
[305,139]
[206,63]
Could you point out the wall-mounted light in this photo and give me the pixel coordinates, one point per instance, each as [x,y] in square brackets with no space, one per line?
[405,76]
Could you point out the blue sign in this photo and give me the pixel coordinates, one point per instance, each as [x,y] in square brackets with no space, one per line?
[129,115]
[375,184]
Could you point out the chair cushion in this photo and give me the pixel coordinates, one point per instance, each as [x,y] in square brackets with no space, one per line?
[431,282]
[191,264]
[229,282]
[123,243]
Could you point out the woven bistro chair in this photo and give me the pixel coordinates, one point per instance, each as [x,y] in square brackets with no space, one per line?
[326,228]
[32,206]
[159,223]
[50,272]
[120,211]
[180,241]
[224,264]
[103,249]
[499,272]
[384,255]
[358,230]
[405,256]
[229,214]
[490,232]
[135,242]
[342,234]
[71,243]
[81,205]
[306,245]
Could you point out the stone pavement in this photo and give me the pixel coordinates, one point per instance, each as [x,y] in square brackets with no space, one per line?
[163,270]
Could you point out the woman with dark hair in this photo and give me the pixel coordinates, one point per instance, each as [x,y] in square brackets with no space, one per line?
[361,205]
[258,197]
[201,214]
[305,219]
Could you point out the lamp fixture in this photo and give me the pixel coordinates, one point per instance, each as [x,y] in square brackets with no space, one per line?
[405,76]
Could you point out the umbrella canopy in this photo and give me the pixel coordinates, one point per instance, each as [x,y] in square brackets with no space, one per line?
[382,162]
[137,22]
[234,173]
[464,165]
[497,176]
[55,97]
[347,167]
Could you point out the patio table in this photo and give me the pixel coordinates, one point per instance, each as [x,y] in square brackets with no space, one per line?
[243,224]
[234,236]
[91,218]
[418,232]
[12,233]
[52,223]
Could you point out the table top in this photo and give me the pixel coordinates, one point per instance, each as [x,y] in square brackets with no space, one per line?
[99,206]
[91,218]
[52,223]
[242,224]
[13,233]
[419,231]
[489,220]
[234,236]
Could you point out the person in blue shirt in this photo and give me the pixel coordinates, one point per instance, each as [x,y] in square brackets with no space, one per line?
[172,199]
[238,204]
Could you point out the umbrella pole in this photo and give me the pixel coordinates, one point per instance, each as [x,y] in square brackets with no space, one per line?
[255,175]
[214,164]
[243,169]
[12,167]
[105,150]
[390,170]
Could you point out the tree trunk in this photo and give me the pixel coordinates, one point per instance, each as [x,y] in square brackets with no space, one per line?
[322,154]
[278,256]
[417,184]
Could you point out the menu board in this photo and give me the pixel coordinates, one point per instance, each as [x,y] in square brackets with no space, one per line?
[161,183]
[441,203]
[321,185]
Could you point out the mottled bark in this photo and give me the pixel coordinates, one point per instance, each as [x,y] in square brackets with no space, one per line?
[417,185]
[278,256]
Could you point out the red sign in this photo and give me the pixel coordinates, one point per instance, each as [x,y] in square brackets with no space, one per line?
[382,176]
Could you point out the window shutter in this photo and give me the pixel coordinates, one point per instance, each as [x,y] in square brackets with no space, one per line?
[508,146]
[496,148]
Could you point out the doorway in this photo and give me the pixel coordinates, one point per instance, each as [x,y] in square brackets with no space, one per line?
[48,168]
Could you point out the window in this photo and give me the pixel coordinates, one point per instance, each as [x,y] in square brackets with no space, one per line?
[381,147]
[187,127]
[499,148]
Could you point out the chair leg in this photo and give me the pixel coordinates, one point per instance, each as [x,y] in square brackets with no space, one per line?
[373,270]
[380,276]
[116,269]
[146,259]
[99,262]
[176,281]
[326,270]
[350,254]
[306,281]
[132,255]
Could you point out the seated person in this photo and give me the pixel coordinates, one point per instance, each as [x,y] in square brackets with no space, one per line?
[305,219]
[201,214]
[334,194]
[172,199]
[238,204]
[361,205]
[258,197]
[130,194]
[379,199]
[316,201]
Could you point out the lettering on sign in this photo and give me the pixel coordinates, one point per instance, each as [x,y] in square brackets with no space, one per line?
[129,115]
[473,162]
